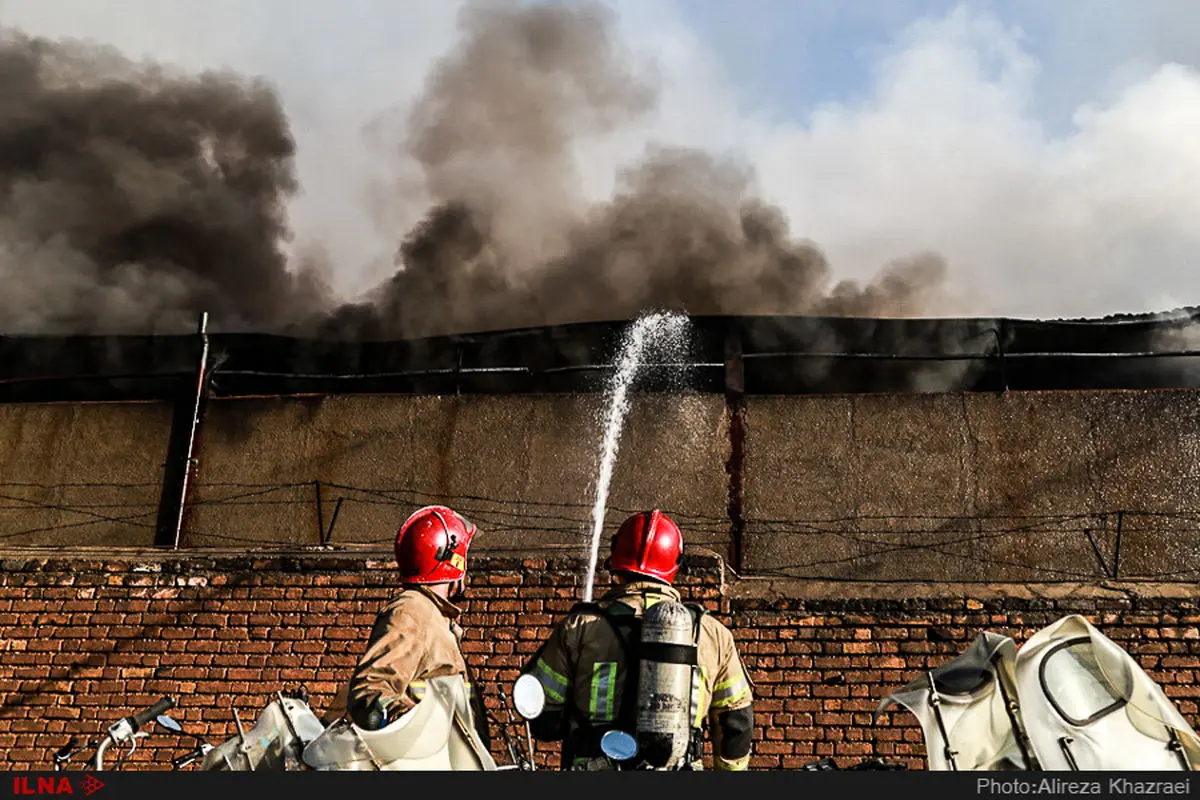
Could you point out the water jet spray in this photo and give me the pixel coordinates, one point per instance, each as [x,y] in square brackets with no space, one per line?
[659,331]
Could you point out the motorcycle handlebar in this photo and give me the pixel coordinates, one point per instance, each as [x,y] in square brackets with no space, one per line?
[140,719]
[98,758]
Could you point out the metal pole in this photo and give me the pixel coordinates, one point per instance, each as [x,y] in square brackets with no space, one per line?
[529,742]
[197,399]
[1117,547]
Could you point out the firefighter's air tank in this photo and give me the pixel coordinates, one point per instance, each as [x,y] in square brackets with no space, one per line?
[664,703]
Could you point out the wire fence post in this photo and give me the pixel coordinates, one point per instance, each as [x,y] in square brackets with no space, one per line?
[1096,550]
[337,509]
[320,513]
[1117,546]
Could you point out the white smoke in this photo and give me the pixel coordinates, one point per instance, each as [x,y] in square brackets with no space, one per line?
[948,155]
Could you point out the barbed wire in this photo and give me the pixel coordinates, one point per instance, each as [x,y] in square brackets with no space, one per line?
[858,543]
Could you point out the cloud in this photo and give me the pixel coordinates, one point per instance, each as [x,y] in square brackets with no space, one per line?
[945,151]
[947,154]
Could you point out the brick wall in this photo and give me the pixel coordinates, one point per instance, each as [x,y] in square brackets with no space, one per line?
[84,640]
[822,665]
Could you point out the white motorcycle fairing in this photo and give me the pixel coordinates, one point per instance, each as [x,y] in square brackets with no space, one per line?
[966,709]
[282,731]
[437,734]
[1088,705]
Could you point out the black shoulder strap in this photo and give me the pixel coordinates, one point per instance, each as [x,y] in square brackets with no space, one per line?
[577,608]
[698,612]
[631,621]
[627,628]
[616,621]
[627,715]
[594,608]
[631,639]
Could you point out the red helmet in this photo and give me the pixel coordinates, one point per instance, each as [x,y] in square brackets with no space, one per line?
[648,544]
[431,546]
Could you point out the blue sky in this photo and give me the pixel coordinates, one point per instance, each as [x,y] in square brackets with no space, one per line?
[788,55]
[1049,150]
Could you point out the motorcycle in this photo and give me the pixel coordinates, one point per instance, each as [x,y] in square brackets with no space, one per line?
[276,741]
[434,735]
[829,765]
[197,753]
[1071,699]
[125,731]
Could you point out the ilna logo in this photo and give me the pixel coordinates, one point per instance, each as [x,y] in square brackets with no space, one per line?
[54,785]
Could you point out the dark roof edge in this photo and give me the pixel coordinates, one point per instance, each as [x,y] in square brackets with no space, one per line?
[764,354]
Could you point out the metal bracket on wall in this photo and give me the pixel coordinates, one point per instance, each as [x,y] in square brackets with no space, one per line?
[458,366]
[999,333]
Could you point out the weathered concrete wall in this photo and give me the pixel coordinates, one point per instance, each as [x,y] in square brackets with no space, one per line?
[81,474]
[947,487]
[1021,486]
[524,468]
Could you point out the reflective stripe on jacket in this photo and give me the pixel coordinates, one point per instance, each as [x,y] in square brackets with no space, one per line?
[582,664]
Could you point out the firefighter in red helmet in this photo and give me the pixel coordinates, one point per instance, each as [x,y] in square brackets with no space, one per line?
[416,635]
[585,665]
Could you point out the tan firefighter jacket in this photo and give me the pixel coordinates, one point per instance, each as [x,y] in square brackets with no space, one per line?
[415,637]
[583,664]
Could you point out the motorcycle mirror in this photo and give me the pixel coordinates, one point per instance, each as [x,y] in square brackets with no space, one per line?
[529,697]
[618,745]
[168,723]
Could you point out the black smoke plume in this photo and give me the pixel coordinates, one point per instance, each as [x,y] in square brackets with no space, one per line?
[133,198]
